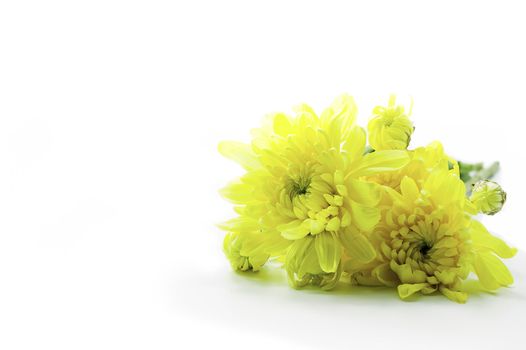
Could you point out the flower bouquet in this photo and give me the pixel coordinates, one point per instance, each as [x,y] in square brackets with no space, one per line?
[330,202]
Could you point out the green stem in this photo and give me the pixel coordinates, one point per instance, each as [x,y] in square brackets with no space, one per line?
[467,169]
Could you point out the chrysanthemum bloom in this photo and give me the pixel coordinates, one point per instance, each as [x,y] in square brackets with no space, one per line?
[390,127]
[427,241]
[303,198]
[488,197]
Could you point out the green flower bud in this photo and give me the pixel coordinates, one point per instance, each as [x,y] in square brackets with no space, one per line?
[241,258]
[488,197]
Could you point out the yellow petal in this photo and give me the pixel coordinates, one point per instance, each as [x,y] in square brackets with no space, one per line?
[481,237]
[346,218]
[240,153]
[293,230]
[366,193]
[333,224]
[282,124]
[295,257]
[406,290]
[310,263]
[384,274]
[380,161]
[316,226]
[357,246]
[238,192]
[239,224]
[355,143]
[446,276]
[459,297]
[328,250]
[409,189]
[342,190]
[407,274]
[492,272]
[446,242]
[365,218]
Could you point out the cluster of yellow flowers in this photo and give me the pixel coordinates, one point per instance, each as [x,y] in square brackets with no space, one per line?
[318,199]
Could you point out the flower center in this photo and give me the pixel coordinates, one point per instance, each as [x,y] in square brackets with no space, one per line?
[424,249]
[299,186]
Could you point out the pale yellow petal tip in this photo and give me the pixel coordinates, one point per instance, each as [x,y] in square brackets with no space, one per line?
[221,226]
[453,295]
[512,251]
[407,290]
[223,147]
[224,192]
[240,153]
[282,124]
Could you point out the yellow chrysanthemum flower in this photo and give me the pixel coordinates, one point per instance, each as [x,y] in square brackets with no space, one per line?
[390,127]
[426,241]
[488,197]
[303,196]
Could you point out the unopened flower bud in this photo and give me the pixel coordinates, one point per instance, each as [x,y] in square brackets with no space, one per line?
[488,197]
[390,127]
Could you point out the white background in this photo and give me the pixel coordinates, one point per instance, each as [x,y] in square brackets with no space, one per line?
[110,113]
